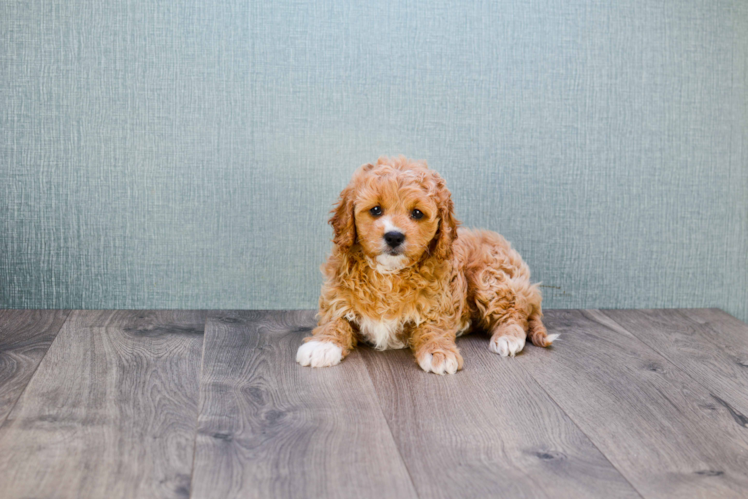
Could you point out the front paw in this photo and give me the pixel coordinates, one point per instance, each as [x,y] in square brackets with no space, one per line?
[440,361]
[319,354]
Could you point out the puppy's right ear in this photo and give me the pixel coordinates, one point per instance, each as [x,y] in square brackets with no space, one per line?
[343,222]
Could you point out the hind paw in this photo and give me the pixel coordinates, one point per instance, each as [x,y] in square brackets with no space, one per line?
[506,345]
[507,340]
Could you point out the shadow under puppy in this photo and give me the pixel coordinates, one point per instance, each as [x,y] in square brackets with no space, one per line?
[402,275]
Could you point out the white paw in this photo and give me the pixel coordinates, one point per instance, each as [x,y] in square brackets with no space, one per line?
[440,363]
[506,345]
[319,354]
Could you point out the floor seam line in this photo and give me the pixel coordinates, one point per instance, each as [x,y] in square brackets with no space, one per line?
[691,321]
[389,428]
[588,437]
[36,368]
[583,432]
[199,402]
[678,366]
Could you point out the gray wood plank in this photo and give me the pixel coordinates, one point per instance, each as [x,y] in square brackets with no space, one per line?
[663,431]
[271,428]
[727,331]
[488,431]
[25,336]
[699,350]
[110,412]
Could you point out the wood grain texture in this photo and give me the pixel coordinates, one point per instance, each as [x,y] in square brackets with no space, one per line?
[489,431]
[663,431]
[25,336]
[625,403]
[706,355]
[110,412]
[271,428]
[727,331]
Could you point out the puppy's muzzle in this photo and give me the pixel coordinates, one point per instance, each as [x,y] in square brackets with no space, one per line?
[394,238]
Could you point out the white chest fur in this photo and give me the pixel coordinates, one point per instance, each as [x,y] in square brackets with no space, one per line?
[383,333]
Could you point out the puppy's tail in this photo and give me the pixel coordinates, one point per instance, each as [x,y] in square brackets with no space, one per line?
[537,332]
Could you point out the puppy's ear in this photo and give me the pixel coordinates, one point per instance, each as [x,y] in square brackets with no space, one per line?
[447,232]
[342,221]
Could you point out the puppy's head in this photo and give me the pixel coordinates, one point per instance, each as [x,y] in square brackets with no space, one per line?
[398,211]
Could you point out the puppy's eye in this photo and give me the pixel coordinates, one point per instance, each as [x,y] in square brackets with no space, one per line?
[416,214]
[376,211]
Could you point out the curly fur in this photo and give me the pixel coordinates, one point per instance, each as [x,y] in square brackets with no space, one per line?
[443,283]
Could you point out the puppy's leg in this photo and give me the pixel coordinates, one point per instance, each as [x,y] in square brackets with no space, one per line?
[510,309]
[328,345]
[435,350]
[504,314]
[508,337]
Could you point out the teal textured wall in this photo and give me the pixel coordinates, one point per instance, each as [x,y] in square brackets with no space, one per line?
[186,153]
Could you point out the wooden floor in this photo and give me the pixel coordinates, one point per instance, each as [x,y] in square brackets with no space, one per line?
[212,404]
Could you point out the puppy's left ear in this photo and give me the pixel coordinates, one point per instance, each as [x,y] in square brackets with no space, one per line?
[447,232]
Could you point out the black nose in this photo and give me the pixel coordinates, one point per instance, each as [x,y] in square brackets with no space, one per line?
[394,238]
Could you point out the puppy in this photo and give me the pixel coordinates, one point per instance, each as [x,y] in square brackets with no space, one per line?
[402,275]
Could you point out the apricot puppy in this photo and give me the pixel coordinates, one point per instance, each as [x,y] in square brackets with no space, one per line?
[402,275]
